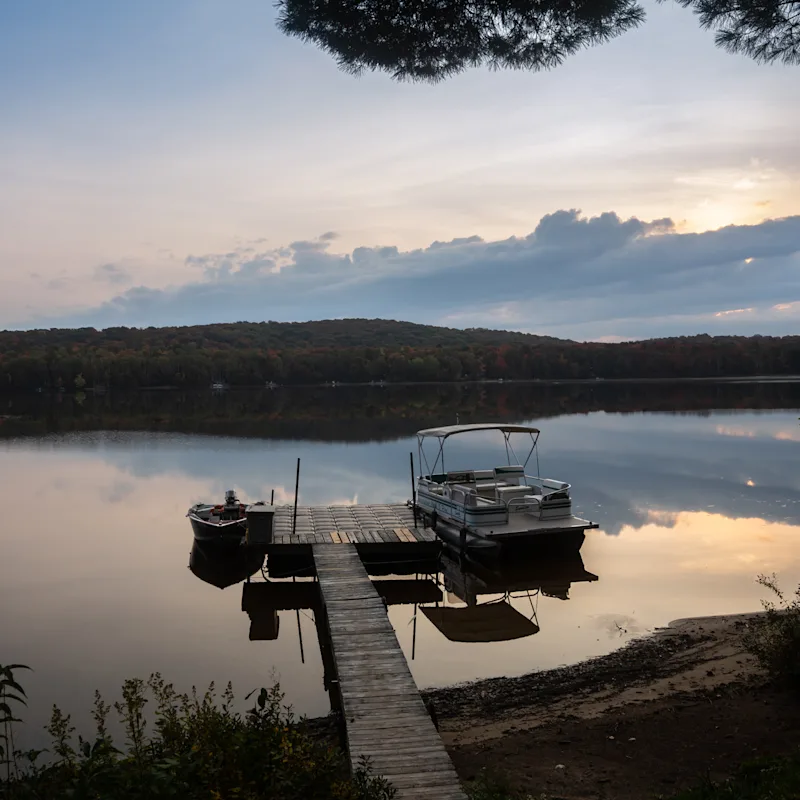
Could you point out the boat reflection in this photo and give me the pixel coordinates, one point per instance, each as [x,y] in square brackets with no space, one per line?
[221,566]
[479,601]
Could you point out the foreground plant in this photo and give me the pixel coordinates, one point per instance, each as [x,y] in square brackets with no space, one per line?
[12,695]
[775,640]
[191,746]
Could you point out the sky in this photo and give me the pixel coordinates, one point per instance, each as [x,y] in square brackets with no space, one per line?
[184,162]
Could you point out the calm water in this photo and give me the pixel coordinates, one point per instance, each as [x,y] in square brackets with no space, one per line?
[94,584]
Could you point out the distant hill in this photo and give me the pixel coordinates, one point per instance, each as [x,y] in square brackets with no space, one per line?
[361,351]
[277,335]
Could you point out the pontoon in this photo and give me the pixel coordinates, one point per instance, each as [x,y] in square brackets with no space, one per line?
[483,508]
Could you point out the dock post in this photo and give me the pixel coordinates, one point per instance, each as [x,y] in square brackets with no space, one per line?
[413,489]
[296,492]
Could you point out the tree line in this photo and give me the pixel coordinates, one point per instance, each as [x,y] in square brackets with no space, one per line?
[361,351]
[371,413]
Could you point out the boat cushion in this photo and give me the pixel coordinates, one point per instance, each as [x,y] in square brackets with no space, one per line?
[512,473]
[461,477]
[507,493]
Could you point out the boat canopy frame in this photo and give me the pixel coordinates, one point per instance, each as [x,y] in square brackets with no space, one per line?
[443,433]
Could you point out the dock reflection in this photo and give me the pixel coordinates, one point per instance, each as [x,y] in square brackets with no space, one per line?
[465,599]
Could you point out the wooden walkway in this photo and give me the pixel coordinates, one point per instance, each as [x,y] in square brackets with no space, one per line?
[355,519]
[385,531]
[385,718]
[378,536]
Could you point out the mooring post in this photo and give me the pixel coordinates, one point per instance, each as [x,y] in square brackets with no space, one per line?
[296,492]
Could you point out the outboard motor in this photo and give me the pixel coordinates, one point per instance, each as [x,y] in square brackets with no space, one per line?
[231,510]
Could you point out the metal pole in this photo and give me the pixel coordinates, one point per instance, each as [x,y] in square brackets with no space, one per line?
[413,489]
[300,636]
[296,492]
[272,498]
[299,630]
[414,635]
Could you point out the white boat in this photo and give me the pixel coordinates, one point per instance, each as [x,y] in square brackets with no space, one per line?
[480,509]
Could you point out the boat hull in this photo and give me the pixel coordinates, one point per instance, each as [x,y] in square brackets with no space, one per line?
[491,547]
[231,533]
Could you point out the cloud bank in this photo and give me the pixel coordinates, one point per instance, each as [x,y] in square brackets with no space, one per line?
[585,278]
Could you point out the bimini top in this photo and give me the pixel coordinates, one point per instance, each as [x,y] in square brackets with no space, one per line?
[450,430]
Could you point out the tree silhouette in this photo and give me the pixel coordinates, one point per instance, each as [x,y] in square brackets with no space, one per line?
[765,30]
[429,40]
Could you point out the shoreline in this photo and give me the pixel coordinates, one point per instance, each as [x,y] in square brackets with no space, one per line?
[766,378]
[689,654]
[666,712]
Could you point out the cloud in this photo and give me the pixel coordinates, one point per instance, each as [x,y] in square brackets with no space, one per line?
[734,311]
[115,274]
[575,276]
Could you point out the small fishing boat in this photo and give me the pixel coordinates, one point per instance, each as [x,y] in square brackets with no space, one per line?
[489,510]
[224,522]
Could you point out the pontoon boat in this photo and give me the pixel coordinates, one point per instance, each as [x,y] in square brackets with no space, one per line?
[482,508]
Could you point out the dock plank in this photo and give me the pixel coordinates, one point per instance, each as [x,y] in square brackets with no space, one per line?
[385,718]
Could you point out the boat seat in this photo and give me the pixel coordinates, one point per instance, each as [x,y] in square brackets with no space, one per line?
[533,499]
[483,474]
[488,489]
[507,493]
[461,477]
[514,473]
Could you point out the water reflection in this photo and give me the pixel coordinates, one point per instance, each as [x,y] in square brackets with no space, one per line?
[222,566]
[465,600]
[365,413]
[93,580]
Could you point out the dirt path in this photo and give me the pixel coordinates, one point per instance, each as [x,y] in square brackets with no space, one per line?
[656,716]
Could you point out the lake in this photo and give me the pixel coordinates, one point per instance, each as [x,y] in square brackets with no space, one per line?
[696,488]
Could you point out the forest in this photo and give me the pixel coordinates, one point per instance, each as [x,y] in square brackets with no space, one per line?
[361,351]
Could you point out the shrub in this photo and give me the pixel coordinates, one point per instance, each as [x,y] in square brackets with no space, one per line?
[775,640]
[195,747]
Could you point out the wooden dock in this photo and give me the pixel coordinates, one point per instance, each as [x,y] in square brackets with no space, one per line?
[386,529]
[385,719]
